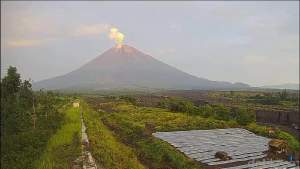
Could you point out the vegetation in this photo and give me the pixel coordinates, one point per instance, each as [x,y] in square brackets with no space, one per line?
[64,146]
[283,99]
[293,143]
[164,120]
[129,117]
[105,148]
[130,125]
[28,120]
[218,111]
[42,130]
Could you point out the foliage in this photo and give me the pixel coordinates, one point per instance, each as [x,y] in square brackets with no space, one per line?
[242,115]
[217,111]
[293,143]
[105,148]
[24,128]
[222,113]
[129,125]
[275,98]
[177,105]
[129,99]
[129,121]
[11,83]
[163,119]
[63,147]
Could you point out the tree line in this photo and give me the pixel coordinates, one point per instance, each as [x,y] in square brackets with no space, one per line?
[28,119]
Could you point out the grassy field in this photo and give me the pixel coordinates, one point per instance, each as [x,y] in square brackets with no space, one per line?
[21,150]
[64,146]
[165,120]
[129,124]
[105,148]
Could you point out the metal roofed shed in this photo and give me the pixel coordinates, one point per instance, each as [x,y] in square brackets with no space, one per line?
[241,145]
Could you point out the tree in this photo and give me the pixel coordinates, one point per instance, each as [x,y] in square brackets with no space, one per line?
[16,102]
[283,95]
[180,105]
[10,83]
[245,117]
[206,110]
[242,116]
[222,112]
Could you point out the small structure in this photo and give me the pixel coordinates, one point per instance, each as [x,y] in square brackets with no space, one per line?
[271,131]
[203,145]
[149,129]
[222,155]
[278,146]
[221,148]
[76,103]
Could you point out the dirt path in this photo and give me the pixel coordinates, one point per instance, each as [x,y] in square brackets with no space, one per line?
[88,160]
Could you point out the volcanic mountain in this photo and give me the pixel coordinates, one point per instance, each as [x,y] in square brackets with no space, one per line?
[124,67]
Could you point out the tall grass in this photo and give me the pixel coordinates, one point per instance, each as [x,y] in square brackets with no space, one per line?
[164,120]
[129,125]
[64,146]
[129,121]
[105,148]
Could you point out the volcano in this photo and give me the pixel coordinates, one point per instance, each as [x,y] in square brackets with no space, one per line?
[124,67]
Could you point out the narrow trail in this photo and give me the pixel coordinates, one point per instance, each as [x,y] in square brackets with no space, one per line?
[88,160]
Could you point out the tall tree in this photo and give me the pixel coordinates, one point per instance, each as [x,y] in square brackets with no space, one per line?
[16,102]
[10,83]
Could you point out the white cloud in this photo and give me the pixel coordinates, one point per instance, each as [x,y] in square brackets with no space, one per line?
[24,43]
[34,32]
[91,29]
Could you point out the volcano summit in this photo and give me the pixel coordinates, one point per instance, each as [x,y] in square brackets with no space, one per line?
[124,67]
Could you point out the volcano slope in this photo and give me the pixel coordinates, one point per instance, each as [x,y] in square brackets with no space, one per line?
[126,67]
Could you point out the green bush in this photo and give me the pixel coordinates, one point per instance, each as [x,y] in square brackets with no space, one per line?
[207,110]
[129,99]
[178,105]
[243,116]
[222,112]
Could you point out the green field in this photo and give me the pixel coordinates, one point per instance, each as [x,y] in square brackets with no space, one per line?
[105,148]
[128,124]
[64,146]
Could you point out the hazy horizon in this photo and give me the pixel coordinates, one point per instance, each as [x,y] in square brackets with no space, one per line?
[250,42]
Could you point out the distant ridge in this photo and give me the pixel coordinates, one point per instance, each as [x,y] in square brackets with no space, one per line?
[124,67]
[291,86]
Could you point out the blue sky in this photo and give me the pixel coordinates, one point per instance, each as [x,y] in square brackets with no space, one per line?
[251,42]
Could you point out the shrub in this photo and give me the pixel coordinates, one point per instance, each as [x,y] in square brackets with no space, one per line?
[222,112]
[243,116]
[129,99]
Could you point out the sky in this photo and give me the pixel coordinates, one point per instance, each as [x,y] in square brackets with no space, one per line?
[251,42]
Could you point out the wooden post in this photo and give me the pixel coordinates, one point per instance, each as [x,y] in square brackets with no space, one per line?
[34,114]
